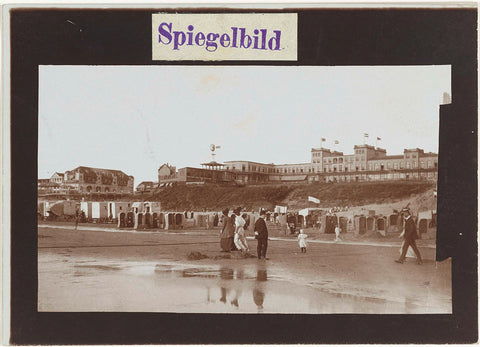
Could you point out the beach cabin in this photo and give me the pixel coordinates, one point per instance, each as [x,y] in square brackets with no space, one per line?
[360,223]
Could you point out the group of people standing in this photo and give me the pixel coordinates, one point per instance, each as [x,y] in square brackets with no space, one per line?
[232,235]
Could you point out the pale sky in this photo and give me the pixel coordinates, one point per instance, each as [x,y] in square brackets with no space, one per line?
[135,118]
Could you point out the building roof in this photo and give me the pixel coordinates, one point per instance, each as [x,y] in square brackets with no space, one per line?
[213,163]
[169,167]
[147,183]
[334,152]
[364,146]
[429,154]
[248,161]
[93,170]
[323,149]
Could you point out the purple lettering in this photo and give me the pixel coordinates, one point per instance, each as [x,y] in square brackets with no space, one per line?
[275,39]
[165,33]
[211,38]
[176,36]
[200,37]
[225,40]
[190,35]
[264,38]
[243,37]
[234,37]
[255,39]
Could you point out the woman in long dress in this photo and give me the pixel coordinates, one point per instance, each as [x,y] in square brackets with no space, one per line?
[226,235]
[239,239]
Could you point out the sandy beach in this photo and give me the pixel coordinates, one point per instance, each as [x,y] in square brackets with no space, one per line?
[185,271]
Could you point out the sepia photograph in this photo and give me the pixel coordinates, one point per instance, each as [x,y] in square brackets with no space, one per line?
[247,174]
[240,189]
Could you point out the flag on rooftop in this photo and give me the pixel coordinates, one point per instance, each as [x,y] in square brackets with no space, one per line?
[379,139]
[312,199]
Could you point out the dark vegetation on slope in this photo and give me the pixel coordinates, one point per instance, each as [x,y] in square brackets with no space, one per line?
[215,197]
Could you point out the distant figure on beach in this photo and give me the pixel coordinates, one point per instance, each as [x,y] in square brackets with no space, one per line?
[77,217]
[239,238]
[410,235]
[302,242]
[337,234]
[83,217]
[215,220]
[226,235]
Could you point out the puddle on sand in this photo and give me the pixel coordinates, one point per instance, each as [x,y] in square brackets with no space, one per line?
[252,290]
[176,287]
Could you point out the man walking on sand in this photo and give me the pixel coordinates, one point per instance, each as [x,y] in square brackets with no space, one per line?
[261,234]
[410,235]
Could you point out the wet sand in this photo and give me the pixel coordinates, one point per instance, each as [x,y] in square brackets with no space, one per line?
[86,270]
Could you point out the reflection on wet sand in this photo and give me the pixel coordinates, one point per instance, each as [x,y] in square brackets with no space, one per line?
[258,298]
[257,287]
[285,296]
[223,298]
[230,274]
[258,290]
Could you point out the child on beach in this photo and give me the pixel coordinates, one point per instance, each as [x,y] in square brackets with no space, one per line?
[337,234]
[302,242]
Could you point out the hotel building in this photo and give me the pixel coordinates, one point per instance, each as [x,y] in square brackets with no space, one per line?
[367,163]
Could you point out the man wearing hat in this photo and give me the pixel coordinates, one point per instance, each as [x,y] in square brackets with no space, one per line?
[261,234]
[410,235]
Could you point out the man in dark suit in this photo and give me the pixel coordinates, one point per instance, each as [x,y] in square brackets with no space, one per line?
[261,234]
[410,235]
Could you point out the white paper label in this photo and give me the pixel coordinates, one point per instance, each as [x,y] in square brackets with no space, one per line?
[223,36]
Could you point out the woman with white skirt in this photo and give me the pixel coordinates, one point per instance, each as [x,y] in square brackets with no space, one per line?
[239,238]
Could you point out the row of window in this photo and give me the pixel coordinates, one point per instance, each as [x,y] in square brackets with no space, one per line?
[403,165]
[351,158]
[338,160]
[346,168]
[378,177]
[252,168]
[339,167]
[98,189]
